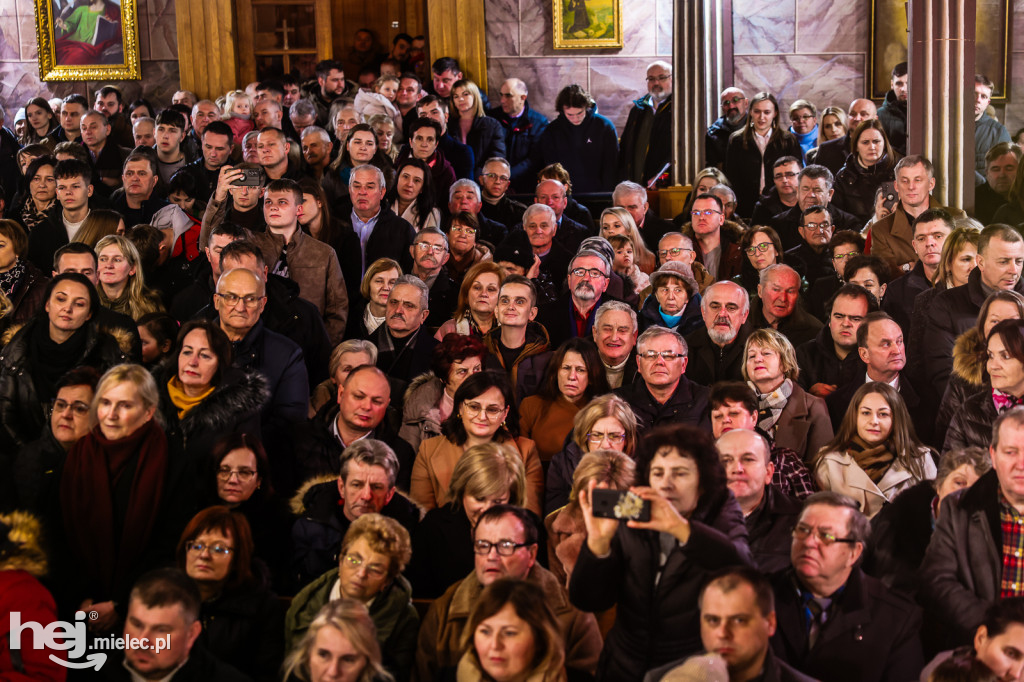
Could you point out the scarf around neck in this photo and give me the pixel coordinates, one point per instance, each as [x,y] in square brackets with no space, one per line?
[181,400]
[771,405]
[874,460]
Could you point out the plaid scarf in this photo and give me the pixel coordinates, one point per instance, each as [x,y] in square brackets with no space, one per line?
[770,406]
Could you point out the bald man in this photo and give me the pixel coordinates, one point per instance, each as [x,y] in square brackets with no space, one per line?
[832,154]
[523,127]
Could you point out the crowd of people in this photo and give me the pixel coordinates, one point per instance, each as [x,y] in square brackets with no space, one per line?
[370,381]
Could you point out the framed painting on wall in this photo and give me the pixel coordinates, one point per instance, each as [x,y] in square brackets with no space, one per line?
[578,24]
[88,40]
[889,21]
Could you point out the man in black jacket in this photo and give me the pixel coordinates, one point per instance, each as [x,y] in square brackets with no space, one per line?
[572,314]
[733,118]
[768,512]
[829,360]
[646,142]
[893,112]
[665,395]
[716,349]
[814,188]
[494,186]
[633,198]
[404,344]
[834,622]
[523,127]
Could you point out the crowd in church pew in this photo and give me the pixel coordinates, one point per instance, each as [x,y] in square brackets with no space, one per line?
[336,380]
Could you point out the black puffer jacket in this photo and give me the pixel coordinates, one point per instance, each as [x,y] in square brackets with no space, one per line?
[967,378]
[242,627]
[22,412]
[234,406]
[900,534]
[856,185]
[972,423]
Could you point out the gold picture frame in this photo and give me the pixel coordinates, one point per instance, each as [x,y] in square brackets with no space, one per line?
[88,40]
[599,26]
[889,19]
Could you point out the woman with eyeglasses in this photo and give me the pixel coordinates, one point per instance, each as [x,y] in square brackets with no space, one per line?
[241,618]
[652,571]
[478,299]
[374,553]
[875,455]
[122,285]
[605,423]
[124,493]
[674,301]
[465,248]
[791,417]
[480,408]
[574,375]
[752,151]
[869,166]
[241,482]
[341,644]
[486,475]
[430,397]
[762,248]
[61,337]
[473,127]
[411,196]
[202,397]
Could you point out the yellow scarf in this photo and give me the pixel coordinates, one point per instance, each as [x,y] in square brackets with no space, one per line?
[183,402]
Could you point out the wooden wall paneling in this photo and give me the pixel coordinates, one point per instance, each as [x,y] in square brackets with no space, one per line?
[456,28]
[244,37]
[206,46]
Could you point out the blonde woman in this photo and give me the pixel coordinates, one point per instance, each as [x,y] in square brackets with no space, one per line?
[341,644]
[617,220]
[471,126]
[122,284]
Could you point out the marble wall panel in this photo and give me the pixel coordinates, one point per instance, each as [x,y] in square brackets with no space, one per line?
[10,45]
[502,18]
[663,45]
[763,26]
[1013,118]
[828,27]
[820,79]
[545,78]
[615,83]
[27,36]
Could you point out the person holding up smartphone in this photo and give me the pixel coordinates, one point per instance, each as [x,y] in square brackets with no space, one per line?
[695,528]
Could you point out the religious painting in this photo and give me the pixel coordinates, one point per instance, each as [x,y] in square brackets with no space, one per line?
[88,40]
[889,21]
[580,24]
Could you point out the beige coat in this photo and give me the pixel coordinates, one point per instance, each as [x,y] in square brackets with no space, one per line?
[840,473]
[436,460]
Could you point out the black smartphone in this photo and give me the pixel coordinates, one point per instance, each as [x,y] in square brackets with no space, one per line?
[252,177]
[620,504]
[889,197]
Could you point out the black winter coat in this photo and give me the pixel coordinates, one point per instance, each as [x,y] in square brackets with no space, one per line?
[972,422]
[744,162]
[657,624]
[391,238]
[855,185]
[871,634]
[589,151]
[769,530]
[900,533]
[961,569]
[968,378]
[688,405]
[819,363]
[558,481]
[442,551]
[242,627]
[486,138]
[23,415]
[520,140]
[709,363]
[650,315]
[832,153]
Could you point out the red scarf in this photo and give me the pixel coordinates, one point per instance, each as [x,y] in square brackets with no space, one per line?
[108,555]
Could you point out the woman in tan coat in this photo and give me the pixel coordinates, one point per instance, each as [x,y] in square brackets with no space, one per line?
[481,406]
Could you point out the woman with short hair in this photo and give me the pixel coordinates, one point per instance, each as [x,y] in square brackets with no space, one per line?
[478,299]
[20,281]
[367,311]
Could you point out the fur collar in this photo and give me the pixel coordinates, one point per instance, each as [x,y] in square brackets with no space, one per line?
[968,359]
[21,549]
[299,502]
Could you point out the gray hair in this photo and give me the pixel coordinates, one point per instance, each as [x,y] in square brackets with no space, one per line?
[609,306]
[777,268]
[726,190]
[817,172]
[593,253]
[315,130]
[654,332]
[629,187]
[301,107]
[195,107]
[143,119]
[803,104]
[518,86]
[659,62]
[350,346]
[860,526]
[497,159]
[538,208]
[250,134]
[725,283]
[414,281]
[433,231]
[257,278]
[372,453]
[464,182]
[368,167]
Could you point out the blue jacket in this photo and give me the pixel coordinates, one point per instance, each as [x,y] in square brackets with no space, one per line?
[588,151]
[521,137]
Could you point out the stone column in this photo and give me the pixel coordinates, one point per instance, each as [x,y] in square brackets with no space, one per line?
[940,117]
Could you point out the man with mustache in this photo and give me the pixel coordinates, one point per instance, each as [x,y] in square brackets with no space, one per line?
[403,345]
[716,349]
[930,231]
[835,622]
[572,313]
[733,118]
[429,254]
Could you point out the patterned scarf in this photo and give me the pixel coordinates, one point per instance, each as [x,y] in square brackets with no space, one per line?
[30,217]
[10,280]
[1003,401]
[770,406]
[874,460]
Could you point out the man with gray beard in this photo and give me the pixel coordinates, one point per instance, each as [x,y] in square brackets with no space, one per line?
[716,349]
[572,313]
[734,116]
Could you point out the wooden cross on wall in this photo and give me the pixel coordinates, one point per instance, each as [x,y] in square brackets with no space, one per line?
[284,31]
